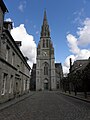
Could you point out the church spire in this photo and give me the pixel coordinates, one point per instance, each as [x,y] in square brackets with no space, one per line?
[45,27]
[45,19]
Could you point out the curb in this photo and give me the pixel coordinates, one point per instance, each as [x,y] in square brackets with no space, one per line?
[14,101]
[85,100]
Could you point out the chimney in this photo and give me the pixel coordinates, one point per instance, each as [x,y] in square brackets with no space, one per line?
[8,25]
[18,43]
[26,58]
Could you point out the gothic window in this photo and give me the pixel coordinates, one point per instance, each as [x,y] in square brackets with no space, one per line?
[38,46]
[38,52]
[48,33]
[43,43]
[45,33]
[41,34]
[46,69]
[47,43]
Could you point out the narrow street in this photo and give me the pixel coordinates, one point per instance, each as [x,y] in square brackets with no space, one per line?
[47,105]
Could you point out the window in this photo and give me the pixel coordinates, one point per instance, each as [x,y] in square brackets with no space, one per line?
[26,84]
[43,43]
[23,85]
[37,80]
[47,43]
[38,72]
[7,52]
[38,64]
[46,69]
[21,66]
[13,58]
[38,52]
[45,33]
[4,80]
[18,67]
[11,84]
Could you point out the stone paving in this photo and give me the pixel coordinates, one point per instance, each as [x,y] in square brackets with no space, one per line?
[80,95]
[47,105]
[15,100]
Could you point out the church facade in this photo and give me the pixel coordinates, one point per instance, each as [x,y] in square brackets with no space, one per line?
[45,61]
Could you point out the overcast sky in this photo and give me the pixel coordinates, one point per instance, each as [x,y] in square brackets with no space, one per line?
[69,22]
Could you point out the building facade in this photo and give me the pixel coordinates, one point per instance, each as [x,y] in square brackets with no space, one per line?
[59,75]
[14,70]
[79,76]
[33,78]
[45,62]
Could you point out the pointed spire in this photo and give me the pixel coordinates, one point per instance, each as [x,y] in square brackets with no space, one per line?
[45,18]
[45,27]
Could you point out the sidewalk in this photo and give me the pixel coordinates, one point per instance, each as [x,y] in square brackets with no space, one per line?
[80,96]
[14,101]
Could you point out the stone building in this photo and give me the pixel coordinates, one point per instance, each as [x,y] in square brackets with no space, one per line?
[45,61]
[59,74]
[79,76]
[14,70]
[33,78]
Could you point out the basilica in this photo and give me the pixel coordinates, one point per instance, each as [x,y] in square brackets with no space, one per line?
[47,73]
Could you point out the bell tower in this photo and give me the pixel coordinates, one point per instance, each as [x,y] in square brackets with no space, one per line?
[45,63]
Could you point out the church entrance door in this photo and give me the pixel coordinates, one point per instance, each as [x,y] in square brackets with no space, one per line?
[45,84]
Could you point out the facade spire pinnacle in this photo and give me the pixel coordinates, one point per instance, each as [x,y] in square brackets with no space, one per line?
[45,18]
[45,27]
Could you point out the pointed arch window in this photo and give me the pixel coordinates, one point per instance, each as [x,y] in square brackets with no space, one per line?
[46,69]
[47,43]
[45,33]
[43,43]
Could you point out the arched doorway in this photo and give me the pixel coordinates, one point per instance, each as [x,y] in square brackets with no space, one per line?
[46,84]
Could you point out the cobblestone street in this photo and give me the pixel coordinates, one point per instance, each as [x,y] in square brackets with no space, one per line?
[47,106]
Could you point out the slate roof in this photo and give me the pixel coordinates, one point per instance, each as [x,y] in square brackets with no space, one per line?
[80,65]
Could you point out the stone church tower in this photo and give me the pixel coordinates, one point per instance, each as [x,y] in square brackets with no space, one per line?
[45,63]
